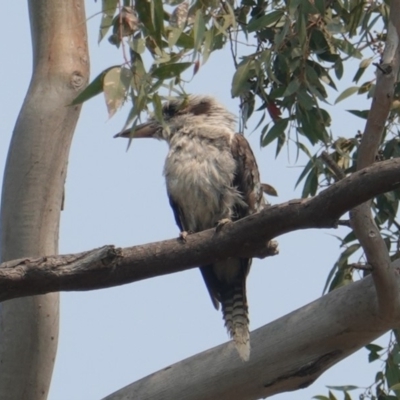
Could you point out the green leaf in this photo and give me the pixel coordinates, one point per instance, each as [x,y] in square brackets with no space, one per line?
[347,93]
[115,85]
[157,105]
[305,171]
[280,36]
[240,79]
[277,130]
[332,396]
[138,45]
[347,253]
[358,113]
[292,87]
[392,371]
[344,388]
[379,376]
[173,36]
[199,29]
[372,356]
[279,143]
[305,100]
[168,71]
[144,11]
[302,31]
[338,68]
[364,64]
[208,44]
[310,185]
[349,238]
[395,387]
[373,347]
[140,77]
[185,41]
[264,21]
[108,8]
[329,278]
[319,397]
[320,6]
[157,17]
[346,396]
[348,48]
[93,89]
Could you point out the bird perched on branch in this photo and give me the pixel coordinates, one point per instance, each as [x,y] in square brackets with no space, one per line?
[211,177]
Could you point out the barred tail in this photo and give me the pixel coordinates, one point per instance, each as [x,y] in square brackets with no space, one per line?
[236,316]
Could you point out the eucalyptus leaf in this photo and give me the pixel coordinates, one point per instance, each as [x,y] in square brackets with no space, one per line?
[116,83]
[168,71]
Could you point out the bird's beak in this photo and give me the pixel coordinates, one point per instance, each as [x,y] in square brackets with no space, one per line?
[146,130]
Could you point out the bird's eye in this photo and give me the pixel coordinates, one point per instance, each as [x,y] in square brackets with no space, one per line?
[170,110]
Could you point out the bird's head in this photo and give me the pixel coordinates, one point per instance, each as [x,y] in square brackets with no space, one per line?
[182,115]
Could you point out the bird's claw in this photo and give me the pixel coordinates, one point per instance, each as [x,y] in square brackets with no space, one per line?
[221,223]
[183,235]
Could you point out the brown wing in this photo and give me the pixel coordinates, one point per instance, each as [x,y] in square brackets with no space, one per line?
[247,177]
[247,181]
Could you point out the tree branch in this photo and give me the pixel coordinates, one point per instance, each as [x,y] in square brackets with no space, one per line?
[248,237]
[361,218]
[287,354]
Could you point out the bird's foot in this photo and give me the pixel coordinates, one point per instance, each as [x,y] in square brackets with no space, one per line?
[221,223]
[183,235]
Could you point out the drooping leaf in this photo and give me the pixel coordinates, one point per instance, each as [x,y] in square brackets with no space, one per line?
[277,129]
[347,93]
[144,11]
[157,106]
[208,44]
[138,45]
[311,184]
[374,347]
[93,89]
[265,21]
[108,8]
[173,36]
[339,68]
[358,113]
[344,388]
[157,18]
[168,71]
[115,85]
[240,82]
[199,30]
[364,64]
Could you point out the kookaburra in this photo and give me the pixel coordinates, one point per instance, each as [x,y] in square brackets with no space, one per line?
[211,176]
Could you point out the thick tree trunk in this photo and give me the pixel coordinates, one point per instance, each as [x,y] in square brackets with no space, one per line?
[33,190]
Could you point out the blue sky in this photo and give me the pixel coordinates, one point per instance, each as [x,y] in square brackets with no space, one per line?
[110,338]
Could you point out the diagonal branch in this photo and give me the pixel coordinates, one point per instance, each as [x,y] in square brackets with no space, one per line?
[361,217]
[110,266]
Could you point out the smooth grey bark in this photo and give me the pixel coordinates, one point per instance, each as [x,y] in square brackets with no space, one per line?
[287,354]
[33,190]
